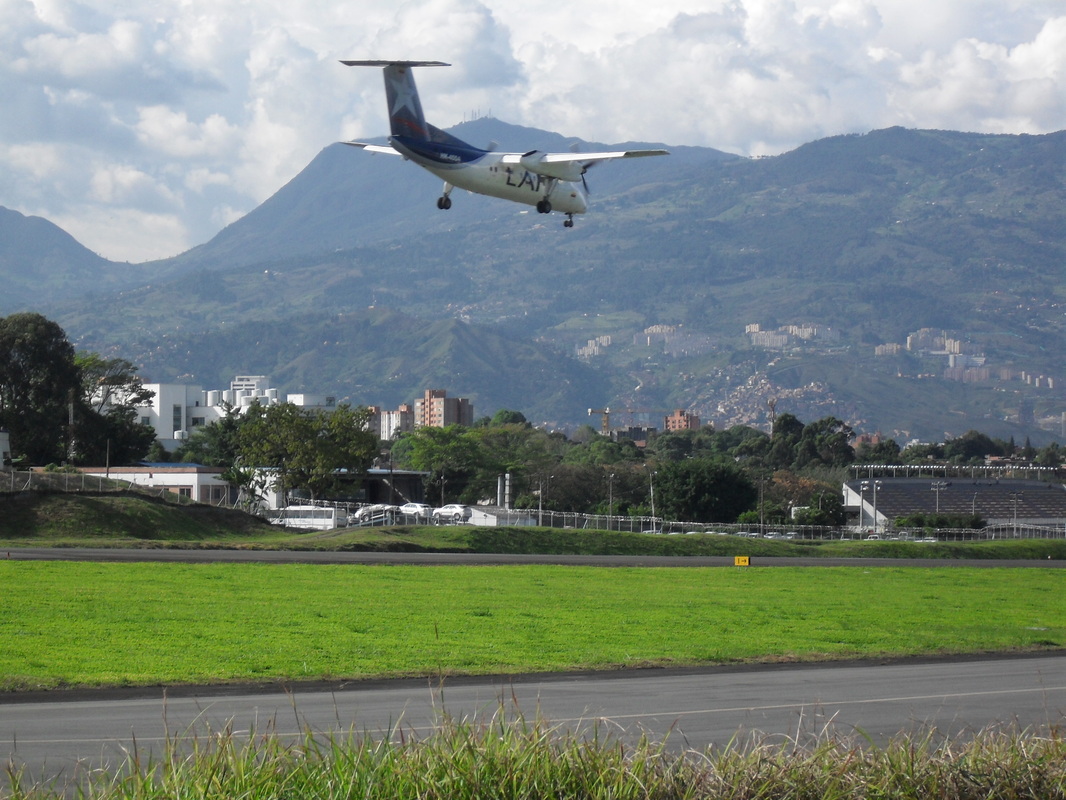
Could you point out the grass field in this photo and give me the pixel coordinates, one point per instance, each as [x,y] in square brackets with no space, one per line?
[65,624]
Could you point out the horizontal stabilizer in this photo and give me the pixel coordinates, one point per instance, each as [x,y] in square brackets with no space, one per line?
[375,148]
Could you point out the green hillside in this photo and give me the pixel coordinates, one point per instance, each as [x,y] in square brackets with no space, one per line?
[343,281]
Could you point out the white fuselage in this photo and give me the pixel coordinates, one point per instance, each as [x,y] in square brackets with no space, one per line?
[488,175]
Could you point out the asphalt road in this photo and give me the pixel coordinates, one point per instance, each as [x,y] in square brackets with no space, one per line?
[693,708]
[193,556]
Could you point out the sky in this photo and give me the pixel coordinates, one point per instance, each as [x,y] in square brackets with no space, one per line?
[144,128]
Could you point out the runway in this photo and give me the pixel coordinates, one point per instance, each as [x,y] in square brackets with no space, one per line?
[203,556]
[691,708]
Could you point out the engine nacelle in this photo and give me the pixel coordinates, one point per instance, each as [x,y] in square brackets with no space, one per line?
[535,161]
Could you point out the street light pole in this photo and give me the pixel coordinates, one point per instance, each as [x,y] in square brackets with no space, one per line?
[938,487]
[540,502]
[875,485]
[1014,497]
[651,483]
[862,503]
[610,499]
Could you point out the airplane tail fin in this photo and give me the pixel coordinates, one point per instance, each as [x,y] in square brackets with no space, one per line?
[405,109]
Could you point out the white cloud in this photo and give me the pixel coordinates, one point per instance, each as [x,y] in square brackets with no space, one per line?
[123,185]
[189,112]
[199,179]
[170,132]
[144,235]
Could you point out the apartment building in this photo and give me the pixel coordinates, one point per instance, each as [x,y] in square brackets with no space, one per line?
[436,410]
[681,420]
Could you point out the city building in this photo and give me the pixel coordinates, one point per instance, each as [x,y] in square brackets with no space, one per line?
[681,420]
[177,409]
[392,423]
[436,410]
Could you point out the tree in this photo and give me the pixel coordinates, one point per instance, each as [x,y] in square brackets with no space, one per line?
[39,385]
[825,508]
[571,487]
[114,437]
[602,450]
[107,430]
[214,445]
[825,442]
[672,446]
[515,448]
[700,490]
[922,453]
[970,448]
[1050,456]
[108,382]
[507,417]
[784,441]
[306,449]
[884,452]
[450,454]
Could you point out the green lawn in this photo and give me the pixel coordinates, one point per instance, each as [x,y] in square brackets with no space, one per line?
[102,624]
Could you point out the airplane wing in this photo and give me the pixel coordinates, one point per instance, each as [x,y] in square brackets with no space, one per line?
[375,148]
[569,166]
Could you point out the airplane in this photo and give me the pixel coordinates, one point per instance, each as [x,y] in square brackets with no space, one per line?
[548,181]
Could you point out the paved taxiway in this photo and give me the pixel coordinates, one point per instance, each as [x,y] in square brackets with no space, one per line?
[694,708]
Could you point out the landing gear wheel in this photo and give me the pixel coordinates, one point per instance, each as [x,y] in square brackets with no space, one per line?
[544,207]
[444,203]
[569,221]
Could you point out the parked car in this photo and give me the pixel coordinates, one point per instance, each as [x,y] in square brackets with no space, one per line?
[376,511]
[420,511]
[453,512]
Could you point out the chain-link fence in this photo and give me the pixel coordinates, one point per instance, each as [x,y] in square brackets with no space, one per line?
[17,482]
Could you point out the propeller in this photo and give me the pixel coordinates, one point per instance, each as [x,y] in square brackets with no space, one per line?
[575,147]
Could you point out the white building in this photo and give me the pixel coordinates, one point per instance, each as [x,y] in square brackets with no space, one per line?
[5,447]
[195,481]
[178,409]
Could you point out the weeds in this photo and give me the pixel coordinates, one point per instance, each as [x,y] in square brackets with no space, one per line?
[510,756]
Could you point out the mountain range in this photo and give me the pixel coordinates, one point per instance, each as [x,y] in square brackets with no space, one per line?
[732,287]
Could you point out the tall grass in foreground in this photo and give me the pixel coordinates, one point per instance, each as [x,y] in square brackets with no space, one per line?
[513,758]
